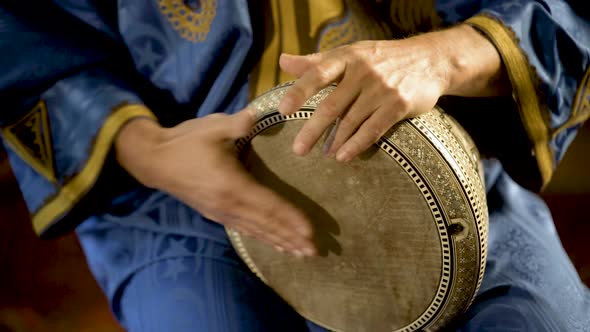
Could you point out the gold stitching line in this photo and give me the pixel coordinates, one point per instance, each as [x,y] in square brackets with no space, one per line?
[577,118]
[572,122]
[407,15]
[521,76]
[80,184]
[21,151]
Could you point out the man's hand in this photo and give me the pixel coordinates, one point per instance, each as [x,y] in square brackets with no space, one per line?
[196,163]
[383,82]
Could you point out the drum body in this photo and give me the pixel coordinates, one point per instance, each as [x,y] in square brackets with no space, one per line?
[401,230]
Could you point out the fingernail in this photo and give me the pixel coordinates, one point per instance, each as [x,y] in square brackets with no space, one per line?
[297,253]
[308,252]
[343,155]
[299,148]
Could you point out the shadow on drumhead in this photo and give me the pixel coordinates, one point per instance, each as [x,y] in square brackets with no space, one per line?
[324,225]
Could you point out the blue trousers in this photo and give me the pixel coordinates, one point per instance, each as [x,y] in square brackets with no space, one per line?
[165,268]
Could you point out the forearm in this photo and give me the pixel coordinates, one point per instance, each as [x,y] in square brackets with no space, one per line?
[474,66]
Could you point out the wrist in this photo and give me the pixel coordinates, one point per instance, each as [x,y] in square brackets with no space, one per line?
[473,65]
[135,146]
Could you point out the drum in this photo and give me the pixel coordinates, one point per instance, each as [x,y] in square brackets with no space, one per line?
[401,230]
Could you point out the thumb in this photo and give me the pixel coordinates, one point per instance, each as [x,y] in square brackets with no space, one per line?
[240,124]
[296,65]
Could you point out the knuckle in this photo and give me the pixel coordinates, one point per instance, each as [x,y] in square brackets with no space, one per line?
[256,231]
[223,194]
[270,216]
[353,50]
[356,49]
[348,122]
[314,57]
[320,74]
[329,108]
[402,99]
[296,91]
[222,202]
[215,205]
[373,134]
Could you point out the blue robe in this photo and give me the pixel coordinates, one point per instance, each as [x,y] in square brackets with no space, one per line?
[74,72]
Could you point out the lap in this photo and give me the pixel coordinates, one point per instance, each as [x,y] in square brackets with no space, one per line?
[195,293]
[165,268]
[529,284]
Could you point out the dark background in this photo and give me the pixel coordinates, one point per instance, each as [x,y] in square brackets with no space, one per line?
[46,285]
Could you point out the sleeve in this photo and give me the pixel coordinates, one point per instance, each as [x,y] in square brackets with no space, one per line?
[63,103]
[545,47]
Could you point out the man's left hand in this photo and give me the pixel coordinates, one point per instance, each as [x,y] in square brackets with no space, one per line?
[379,84]
[383,82]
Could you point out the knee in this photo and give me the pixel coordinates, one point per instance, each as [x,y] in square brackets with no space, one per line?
[196,294]
[508,308]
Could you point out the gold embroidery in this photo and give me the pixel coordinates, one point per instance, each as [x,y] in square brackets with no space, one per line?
[81,183]
[413,16]
[307,26]
[286,31]
[30,138]
[523,80]
[192,23]
[356,26]
[581,107]
[324,11]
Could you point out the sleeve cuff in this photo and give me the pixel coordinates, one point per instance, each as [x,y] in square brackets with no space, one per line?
[80,184]
[525,93]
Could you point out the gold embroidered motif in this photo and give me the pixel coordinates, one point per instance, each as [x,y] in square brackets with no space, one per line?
[192,23]
[307,26]
[356,26]
[30,138]
[581,107]
[292,21]
[523,79]
[71,192]
[413,16]
[325,11]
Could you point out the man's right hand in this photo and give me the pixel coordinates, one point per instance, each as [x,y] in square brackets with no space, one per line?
[195,162]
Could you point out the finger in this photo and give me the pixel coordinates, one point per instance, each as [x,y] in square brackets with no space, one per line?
[278,217]
[264,234]
[361,110]
[296,65]
[231,127]
[267,210]
[329,109]
[315,78]
[249,228]
[368,133]
[275,216]
[240,124]
[240,228]
[269,213]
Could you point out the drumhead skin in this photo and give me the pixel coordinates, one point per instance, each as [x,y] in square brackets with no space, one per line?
[401,230]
